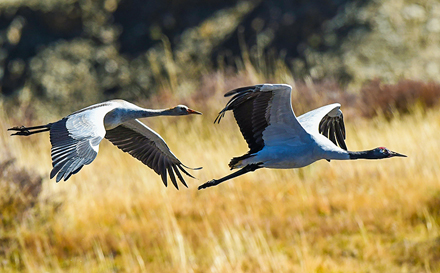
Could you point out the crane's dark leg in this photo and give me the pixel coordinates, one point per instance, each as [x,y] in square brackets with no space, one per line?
[26,131]
[245,169]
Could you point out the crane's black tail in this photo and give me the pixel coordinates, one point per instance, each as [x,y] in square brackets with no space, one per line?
[27,131]
[237,160]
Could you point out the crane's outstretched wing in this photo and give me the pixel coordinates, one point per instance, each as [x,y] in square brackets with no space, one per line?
[75,143]
[328,121]
[264,114]
[144,144]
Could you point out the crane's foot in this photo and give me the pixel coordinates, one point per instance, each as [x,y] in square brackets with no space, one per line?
[26,131]
[208,184]
[21,131]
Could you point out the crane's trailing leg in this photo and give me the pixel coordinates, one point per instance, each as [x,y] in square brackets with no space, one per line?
[245,169]
[26,131]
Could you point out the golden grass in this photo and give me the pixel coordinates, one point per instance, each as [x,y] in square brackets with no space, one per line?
[115,215]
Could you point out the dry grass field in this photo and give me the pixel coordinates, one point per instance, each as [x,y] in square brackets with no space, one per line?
[116,215]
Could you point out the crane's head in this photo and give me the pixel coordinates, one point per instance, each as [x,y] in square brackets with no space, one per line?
[382,152]
[181,110]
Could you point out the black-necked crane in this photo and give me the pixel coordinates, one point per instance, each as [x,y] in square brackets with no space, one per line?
[75,138]
[278,139]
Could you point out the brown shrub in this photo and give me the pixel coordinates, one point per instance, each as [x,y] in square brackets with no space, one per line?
[376,97]
[19,191]
[306,96]
[309,96]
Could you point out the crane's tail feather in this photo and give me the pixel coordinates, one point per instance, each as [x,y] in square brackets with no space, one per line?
[27,131]
[236,162]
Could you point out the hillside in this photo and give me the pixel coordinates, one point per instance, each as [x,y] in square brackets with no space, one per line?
[379,59]
[96,50]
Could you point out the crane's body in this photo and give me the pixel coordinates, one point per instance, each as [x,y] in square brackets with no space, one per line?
[293,156]
[75,138]
[277,139]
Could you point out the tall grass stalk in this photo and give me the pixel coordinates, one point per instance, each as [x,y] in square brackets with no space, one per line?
[115,214]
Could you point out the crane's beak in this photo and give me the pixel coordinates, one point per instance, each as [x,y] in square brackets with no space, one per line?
[392,154]
[191,111]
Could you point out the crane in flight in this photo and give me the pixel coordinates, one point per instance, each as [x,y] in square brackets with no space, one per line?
[75,138]
[277,139]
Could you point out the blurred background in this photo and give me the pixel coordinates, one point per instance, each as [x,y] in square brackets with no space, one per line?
[379,59]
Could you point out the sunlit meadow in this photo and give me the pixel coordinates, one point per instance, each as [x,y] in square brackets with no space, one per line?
[115,215]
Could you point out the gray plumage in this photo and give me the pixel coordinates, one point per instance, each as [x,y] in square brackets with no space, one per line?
[75,139]
[278,139]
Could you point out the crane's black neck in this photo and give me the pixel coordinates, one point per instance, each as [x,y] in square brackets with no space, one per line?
[370,154]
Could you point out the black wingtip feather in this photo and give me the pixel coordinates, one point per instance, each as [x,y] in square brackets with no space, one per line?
[185,172]
[332,134]
[340,137]
[173,178]
[322,125]
[163,174]
[334,129]
[194,169]
[342,126]
[250,88]
[147,152]
[325,129]
[176,170]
